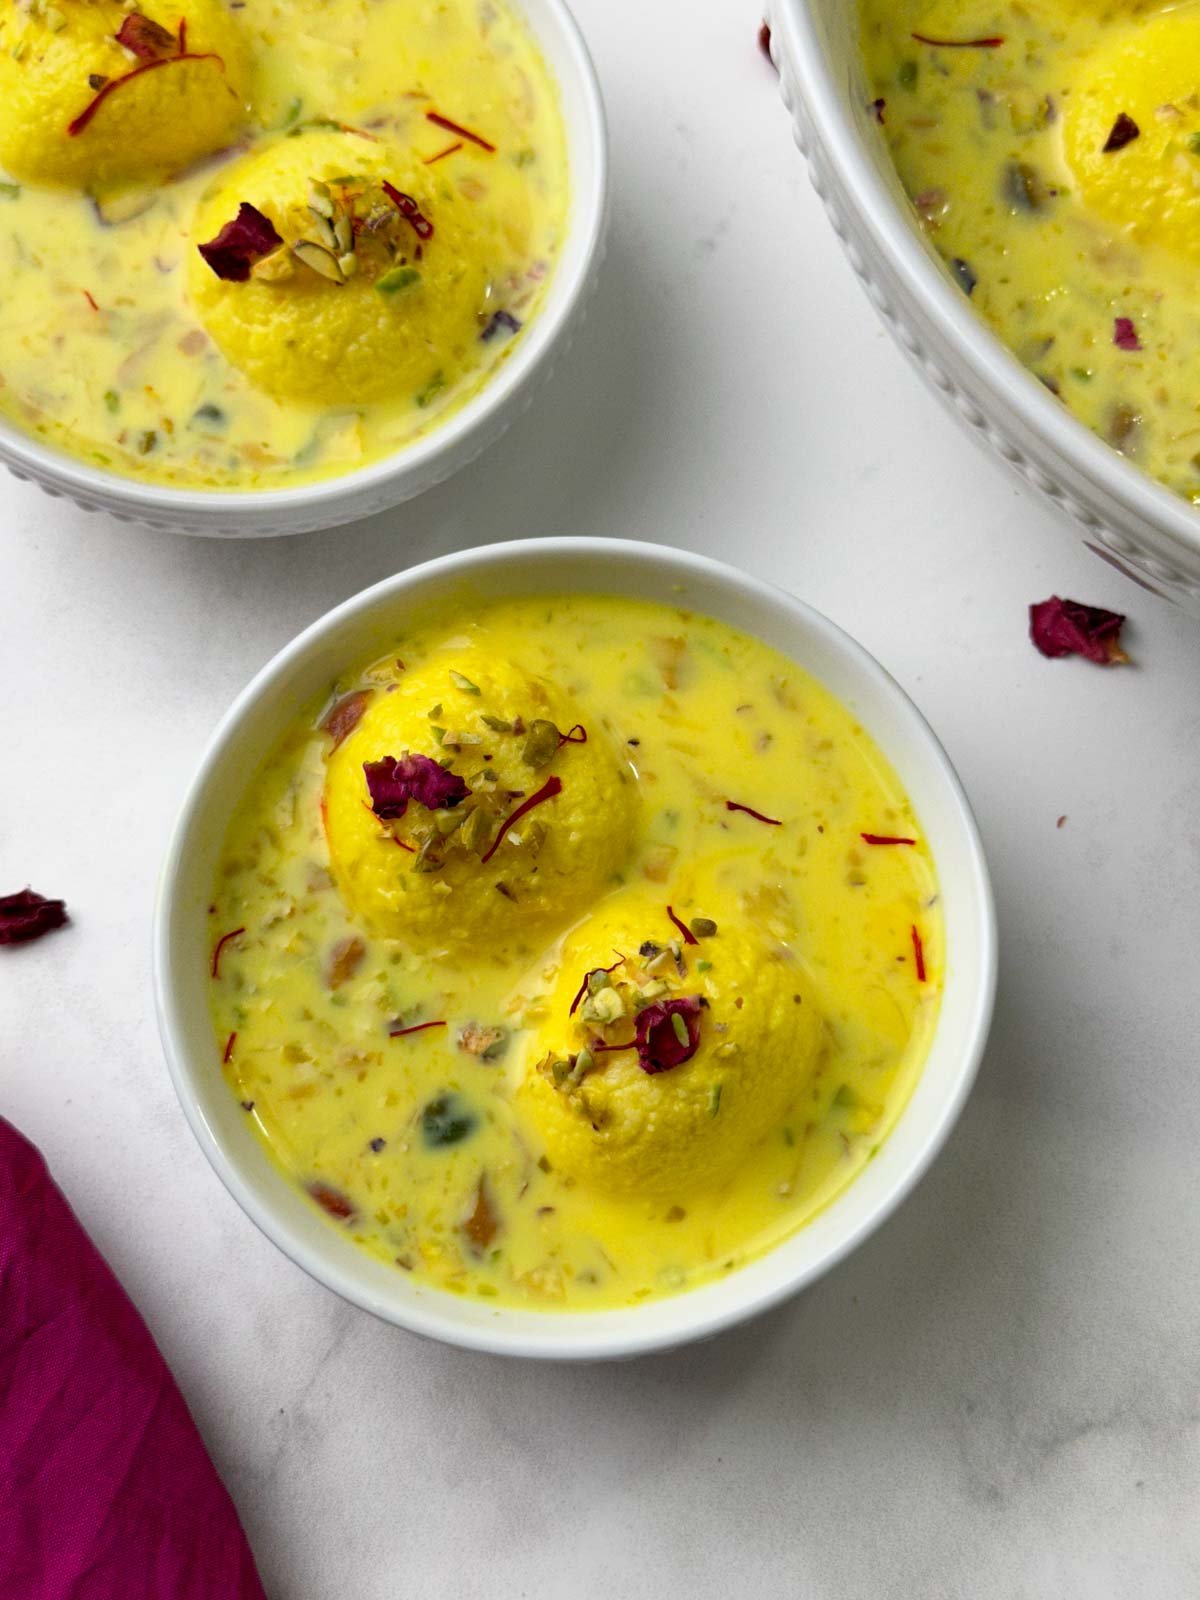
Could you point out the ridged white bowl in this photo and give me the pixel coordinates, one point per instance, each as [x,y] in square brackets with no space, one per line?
[366,625]
[449,446]
[1124,516]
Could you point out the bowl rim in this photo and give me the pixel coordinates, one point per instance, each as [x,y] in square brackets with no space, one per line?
[627,1331]
[991,362]
[62,473]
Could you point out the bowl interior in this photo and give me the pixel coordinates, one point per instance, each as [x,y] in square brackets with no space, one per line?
[425,462]
[367,624]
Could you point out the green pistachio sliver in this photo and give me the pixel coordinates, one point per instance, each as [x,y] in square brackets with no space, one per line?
[496,724]
[112,401]
[438,733]
[319,199]
[476,828]
[714,1099]
[703,927]
[584,1062]
[9,191]
[604,1006]
[322,261]
[465,684]
[541,743]
[597,980]
[680,1029]
[446,822]
[429,392]
[434,712]
[396,279]
[322,229]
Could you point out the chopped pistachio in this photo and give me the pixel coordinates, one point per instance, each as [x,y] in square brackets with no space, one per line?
[703,927]
[605,1006]
[275,268]
[397,278]
[476,828]
[348,262]
[729,1048]
[463,683]
[429,391]
[541,743]
[714,1099]
[680,1029]
[322,261]
[584,1062]
[496,724]
[319,199]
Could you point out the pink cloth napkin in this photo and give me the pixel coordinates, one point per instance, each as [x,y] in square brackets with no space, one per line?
[106,1491]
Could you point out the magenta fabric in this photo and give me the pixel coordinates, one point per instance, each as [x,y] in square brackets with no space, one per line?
[106,1490]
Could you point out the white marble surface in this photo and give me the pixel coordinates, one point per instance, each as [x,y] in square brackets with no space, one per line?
[999,1396]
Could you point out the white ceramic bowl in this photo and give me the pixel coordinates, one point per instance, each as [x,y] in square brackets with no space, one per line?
[448,447]
[368,623]
[1136,524]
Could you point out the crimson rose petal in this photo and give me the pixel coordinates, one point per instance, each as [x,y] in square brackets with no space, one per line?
[659,1047]
[241,243]
[392,784]
[28,915]
[1067,628]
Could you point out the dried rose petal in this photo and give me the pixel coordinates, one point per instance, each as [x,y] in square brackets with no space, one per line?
[1124,131]
[28,915]
[392,784]
[1125,335]
[241,243]
[147,40]
[658,1045]
[1067,628]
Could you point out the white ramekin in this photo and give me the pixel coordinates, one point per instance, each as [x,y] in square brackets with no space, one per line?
[447,447]
[1134,523]
[367,624]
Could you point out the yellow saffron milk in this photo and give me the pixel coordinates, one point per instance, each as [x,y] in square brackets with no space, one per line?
[579,950]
